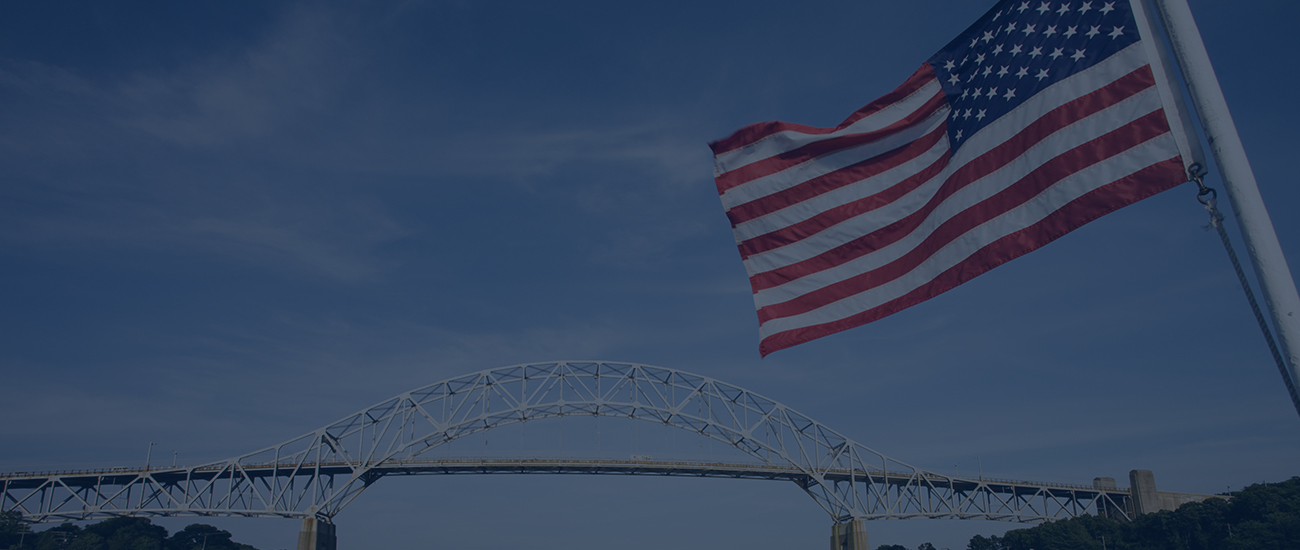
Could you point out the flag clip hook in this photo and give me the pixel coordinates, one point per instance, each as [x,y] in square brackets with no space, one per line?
[1205,195]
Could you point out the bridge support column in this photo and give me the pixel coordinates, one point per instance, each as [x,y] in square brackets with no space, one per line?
[1142,486]
[849,536]
[317,534]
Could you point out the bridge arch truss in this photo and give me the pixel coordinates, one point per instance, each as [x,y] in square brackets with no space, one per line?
[321,472]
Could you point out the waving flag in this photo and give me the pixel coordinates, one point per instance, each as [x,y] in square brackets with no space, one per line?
[1041,117]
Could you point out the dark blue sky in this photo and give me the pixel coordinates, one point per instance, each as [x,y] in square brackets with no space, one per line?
[224,226]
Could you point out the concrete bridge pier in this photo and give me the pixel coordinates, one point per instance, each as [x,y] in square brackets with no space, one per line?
[317,534]
[850,535]
[1145,499]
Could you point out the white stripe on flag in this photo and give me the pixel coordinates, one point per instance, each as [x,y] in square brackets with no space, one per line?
[1025,215]
[1049,148]
[766,185]
[789,140]
[861,189]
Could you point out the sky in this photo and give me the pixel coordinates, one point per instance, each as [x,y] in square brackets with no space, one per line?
[225,225]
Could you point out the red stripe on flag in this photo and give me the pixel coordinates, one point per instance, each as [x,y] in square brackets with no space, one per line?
[829,218]
[986,164]
[829,182]
[1082,210]
[811,151]
[1020,192]
[757,132]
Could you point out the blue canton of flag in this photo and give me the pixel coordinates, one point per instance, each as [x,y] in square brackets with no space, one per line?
[1015,52]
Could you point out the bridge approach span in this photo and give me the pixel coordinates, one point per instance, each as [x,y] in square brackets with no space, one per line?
[319,473]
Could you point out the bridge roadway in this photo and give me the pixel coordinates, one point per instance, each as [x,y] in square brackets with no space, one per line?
[85,494]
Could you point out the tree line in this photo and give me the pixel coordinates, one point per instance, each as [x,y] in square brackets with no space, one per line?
[113,534]
[1264,516]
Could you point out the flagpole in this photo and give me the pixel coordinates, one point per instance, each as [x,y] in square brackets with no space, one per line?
[1261,241]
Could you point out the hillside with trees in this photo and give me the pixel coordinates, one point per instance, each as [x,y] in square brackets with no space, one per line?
[113,534]
[1264,516]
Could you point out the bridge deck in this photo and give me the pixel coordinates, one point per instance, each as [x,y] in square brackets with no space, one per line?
[451,466]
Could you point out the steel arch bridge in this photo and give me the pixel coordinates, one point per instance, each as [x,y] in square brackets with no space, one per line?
[319,473]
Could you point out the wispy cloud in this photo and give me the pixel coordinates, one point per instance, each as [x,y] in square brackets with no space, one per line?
[250,155]
[298,71]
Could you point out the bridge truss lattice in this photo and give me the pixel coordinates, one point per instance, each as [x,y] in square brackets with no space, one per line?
[319,473]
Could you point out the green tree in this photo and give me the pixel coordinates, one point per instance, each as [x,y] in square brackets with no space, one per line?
[200,536]
[12,529]
[978,542]
[87,541]
[129,534]
[57,538]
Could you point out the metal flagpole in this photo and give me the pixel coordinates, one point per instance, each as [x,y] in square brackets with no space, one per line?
[1261,241]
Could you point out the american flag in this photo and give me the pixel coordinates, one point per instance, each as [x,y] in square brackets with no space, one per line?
[1041,117]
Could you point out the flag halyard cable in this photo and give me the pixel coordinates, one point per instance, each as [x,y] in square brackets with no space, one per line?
[1207,197]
